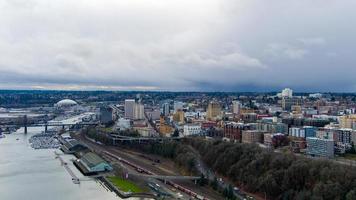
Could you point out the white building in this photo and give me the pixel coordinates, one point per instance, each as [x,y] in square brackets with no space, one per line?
[316,95]
[236,107]
[123,124]
[287,92]
[191,129]
[129,108]
[178,105]
[297,132]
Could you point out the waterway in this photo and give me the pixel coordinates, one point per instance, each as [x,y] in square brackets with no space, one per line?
[30,174]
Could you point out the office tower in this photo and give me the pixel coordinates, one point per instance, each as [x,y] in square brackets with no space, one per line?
[178,105]
[178,116]
[106,114]
[129,108]
[165,109]
[288,102]
[138,111]
[236,107]
[214,110]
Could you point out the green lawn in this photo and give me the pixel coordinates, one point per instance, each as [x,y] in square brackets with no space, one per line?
[124,185]
[350,156]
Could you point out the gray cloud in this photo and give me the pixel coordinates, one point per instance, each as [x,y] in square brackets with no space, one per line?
[177,45]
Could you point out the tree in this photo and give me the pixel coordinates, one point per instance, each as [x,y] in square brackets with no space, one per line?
[351,195]
[202,180]
[214,184]
[175,133]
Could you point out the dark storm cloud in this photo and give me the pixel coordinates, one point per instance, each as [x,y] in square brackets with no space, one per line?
[205,45]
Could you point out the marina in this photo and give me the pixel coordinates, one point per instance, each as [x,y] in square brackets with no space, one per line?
[32,174]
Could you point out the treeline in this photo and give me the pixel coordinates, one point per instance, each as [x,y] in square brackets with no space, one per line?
[278,175]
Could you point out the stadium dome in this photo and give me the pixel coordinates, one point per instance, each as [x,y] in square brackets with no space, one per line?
[66,103]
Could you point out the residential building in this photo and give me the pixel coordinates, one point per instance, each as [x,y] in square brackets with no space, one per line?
[347,121]
[252,136]
[191,129]
[236,107]
[233,131]
[320,147]
[288,102]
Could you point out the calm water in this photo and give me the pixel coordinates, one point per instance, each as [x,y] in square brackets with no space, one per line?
[31,174]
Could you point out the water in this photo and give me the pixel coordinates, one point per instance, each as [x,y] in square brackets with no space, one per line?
[30,174]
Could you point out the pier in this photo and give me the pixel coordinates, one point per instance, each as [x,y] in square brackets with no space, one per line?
[75,179]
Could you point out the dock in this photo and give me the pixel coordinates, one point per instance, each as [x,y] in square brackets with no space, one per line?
[75,179]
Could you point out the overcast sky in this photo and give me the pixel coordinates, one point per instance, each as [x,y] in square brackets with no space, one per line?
[178,45]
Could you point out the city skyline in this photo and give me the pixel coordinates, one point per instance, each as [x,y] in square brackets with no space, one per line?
[178,45]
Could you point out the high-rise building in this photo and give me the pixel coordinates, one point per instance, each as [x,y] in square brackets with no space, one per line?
[347,121]
[214,110]
[106,114]
[165,109]
[236,107]
[287,92]
[130,108]
[288,102]
[138,111]
[320,147]
[178,105]
[178,116]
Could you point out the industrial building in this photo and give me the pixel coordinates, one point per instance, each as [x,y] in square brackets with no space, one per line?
[90,163]
[72,146]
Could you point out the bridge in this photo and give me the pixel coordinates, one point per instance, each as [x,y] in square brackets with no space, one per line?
[25,124]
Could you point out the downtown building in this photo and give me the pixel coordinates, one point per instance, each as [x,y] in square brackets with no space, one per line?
[252,136]
[133,110]
[106,114]
[214,111]
[192,129]
[320,147]
[233,131]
